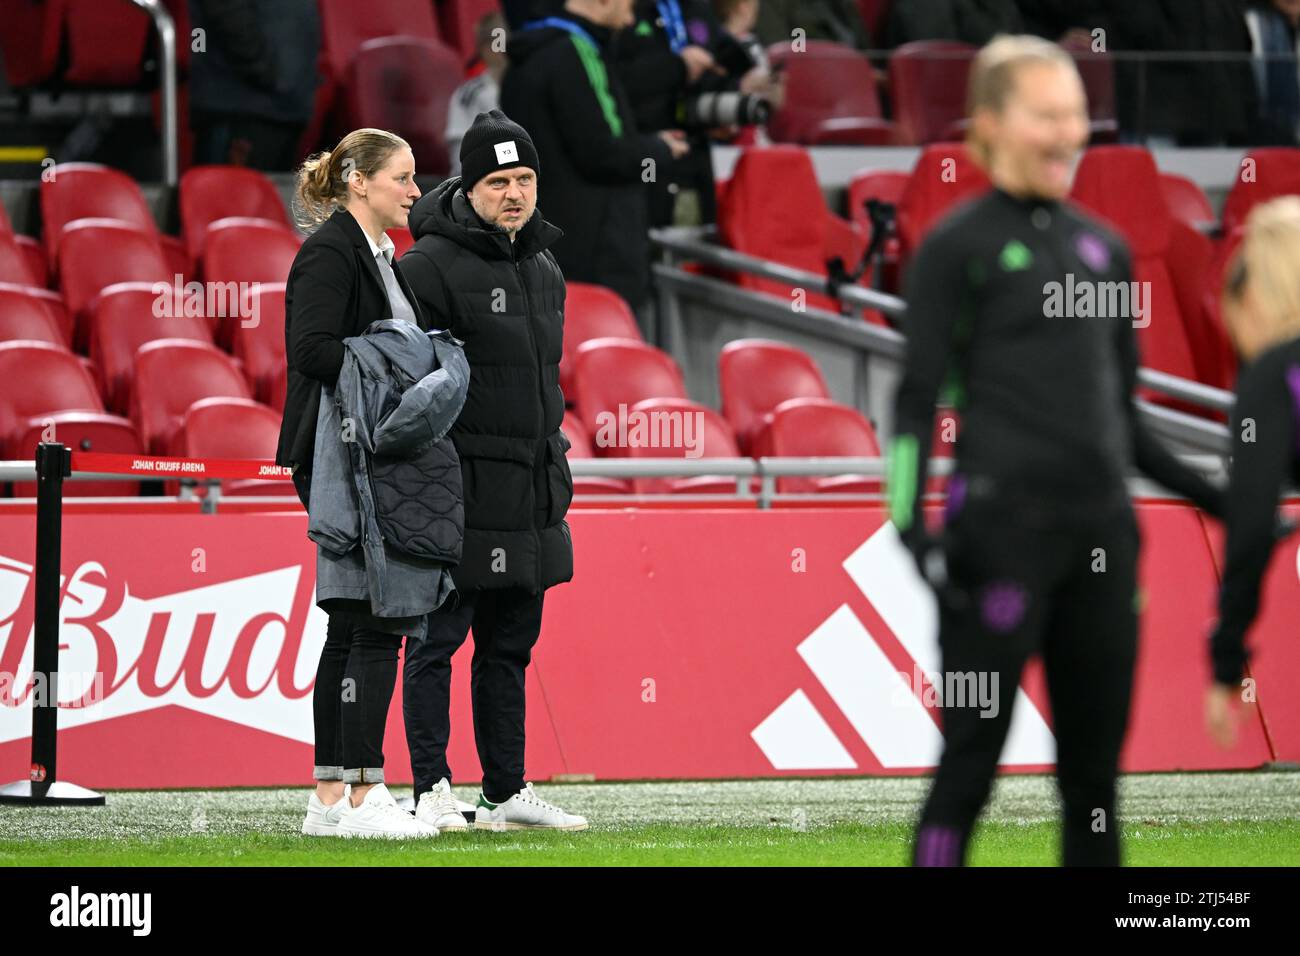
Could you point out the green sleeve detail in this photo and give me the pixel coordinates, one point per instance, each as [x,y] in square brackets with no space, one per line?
[599,80]
[902,480]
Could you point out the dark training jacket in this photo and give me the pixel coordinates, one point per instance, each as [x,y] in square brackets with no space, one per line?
[506,302]
[1045,401]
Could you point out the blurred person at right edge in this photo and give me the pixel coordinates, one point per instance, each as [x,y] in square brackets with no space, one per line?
[1274,27]
[561,85]
[1049,435]
[1261,307]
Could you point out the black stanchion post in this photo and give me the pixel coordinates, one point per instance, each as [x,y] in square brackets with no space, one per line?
[53,464]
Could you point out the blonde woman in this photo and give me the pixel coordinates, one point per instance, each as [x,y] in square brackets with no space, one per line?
[1049,435]
[341,281]
[1261,305]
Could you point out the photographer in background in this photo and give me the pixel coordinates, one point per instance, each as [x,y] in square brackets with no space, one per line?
[681,69]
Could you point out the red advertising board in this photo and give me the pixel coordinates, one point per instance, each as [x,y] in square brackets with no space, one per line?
[691,643]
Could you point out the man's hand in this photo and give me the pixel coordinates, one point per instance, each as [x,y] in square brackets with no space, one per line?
[1222,715]
[698,62]
[676,141]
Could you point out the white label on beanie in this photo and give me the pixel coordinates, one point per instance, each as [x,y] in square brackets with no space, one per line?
[506,152]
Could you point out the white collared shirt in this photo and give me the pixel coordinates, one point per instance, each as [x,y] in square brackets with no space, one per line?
[385,245]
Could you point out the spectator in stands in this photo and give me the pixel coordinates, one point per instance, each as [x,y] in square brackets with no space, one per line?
[1203,101]
[253,83]
[675,52]
[481,267]
[967,21]
[1261,306]
[836,20]
[341,281]
[562,85]
[479,93]
[1274,27]
[1064,20]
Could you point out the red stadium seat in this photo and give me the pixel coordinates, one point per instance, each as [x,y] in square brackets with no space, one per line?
[121,320]
[84,42]
[775,210]
[830,97]
[1186,200]
[19,301]
[580,447]
[457,20]
[928,81]
[1264,174]
[821,428]
[81,431]
[1190,260]
[15,264]
[714,439]
[608,373]
[232,428]
[346,24]
[1121,184]
[1211,293]
[97,253]
[667,422]
[592,312]
[170,376]
[89,191]
[210,193]
[40,379]
[260,346]
[757,375]
[945,176]
[28,318]
[405,84]
[238,249]
[29,249]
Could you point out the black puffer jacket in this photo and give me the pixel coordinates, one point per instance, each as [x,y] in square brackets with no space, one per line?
[506,302]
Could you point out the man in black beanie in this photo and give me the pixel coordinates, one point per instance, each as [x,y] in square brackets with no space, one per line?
[481,267]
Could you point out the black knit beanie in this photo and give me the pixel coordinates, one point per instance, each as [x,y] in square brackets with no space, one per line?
[494,142]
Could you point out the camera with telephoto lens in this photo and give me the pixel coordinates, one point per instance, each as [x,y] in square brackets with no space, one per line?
[715,101]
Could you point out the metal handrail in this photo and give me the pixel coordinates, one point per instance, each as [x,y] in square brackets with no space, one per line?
[166,27]
[691,243]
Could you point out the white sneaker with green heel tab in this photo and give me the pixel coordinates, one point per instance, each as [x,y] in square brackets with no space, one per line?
[524,811]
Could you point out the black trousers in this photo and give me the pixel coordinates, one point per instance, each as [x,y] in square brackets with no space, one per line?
[1064,589]
[354,687]
[506,623]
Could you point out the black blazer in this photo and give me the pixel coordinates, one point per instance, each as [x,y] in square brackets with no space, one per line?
[334,292]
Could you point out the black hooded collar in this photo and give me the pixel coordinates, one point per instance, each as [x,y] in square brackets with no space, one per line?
[446,211]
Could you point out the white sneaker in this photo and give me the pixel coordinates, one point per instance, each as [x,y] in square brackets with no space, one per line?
[322,820]
[380,816]
[439,809]
[525,811]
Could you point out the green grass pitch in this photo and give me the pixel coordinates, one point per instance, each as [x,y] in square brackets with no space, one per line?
[1212,819]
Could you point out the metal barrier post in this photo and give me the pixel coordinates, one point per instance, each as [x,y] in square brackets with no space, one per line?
[53,464]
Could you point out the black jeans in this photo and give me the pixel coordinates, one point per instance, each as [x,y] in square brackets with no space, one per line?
[1069,594]
[354,687]
[506,623]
